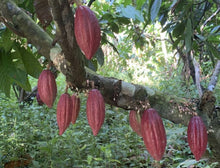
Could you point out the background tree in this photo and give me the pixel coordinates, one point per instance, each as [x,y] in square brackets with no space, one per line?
[193,34]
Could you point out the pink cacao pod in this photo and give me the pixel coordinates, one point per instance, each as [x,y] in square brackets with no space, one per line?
[197,137]
[153,133]
[76,108]
[87,31]
[64,112]
[95,110]
[47,87]
[135,122]
[39,101]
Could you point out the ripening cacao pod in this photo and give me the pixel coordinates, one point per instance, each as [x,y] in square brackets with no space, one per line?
[64,112]
[95,110]
[47,87]
[87,31]
[39,101]
[135,121]
[153,133]
[197,137]
[76,107]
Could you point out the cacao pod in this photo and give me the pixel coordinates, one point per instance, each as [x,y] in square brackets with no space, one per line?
[76,107]
[87,31]
[135,122]
[95,110]
[47,87]
[64,112]
[39,101]
[153,133]
[197,137]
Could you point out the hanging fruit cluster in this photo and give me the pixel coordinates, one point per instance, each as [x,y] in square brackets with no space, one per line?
[146,124]
[68,106]
[150,127]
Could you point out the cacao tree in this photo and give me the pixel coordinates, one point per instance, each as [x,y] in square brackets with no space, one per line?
[27,45]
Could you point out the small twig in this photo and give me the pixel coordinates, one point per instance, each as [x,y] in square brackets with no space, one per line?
[197,76]
[209,19]
[67,87]
[16,94]
[214,78]
[31,94]
[22,93]
[90,3]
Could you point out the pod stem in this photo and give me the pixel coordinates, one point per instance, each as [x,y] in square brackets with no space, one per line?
[78,2]
[66,89]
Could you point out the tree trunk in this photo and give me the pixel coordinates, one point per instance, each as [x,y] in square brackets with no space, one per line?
[68,59]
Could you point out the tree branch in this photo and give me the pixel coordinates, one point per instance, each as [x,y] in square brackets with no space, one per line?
[90,3]
[214,78]
[210,18]
[20,22]
[197,76]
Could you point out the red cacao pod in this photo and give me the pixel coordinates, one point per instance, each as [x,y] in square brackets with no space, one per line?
[95,110]
[76,107]
[87,31]
[47,87]
[39,101]
[153,133]
[64,112]
[135,122]
[197,137]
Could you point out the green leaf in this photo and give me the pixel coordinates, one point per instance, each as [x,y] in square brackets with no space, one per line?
[113,46]
[10,74]
[139,16]
[213,50]
[179,29]
[188,35]
[92,64]
[100,56]
[31,64]
[107,16]
[140,3]
[187,163]
[131,13]
[215,29]
[5,40]
[114,27]
[202,38]
[122,20]
[176,42]
[5,83]
[155,9]
[19,77]
[128,11]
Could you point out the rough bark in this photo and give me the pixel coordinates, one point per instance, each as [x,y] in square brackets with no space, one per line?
[115,92]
